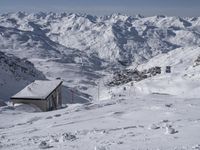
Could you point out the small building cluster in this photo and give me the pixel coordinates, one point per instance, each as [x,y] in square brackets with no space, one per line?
[128,75]
[44,94]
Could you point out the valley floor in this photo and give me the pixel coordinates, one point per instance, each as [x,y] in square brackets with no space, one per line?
[125,123]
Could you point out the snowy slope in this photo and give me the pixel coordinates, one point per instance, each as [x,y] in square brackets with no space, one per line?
[15,74]
[126,122]
[184,80]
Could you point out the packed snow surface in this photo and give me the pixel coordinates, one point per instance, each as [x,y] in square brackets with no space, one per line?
[27,108]
[126,122]
[39,89]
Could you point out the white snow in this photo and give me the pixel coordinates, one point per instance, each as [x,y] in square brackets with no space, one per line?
[39,89]
[120,123]
[27,108]
[160,112]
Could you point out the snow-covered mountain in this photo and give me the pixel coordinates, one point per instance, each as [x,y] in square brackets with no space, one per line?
[158,111]
[15,74]
[115,37]
[82,48]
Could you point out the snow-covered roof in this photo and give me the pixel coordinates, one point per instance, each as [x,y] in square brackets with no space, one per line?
[39,89]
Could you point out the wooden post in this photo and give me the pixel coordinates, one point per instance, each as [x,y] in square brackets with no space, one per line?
[72,94]
[98,91]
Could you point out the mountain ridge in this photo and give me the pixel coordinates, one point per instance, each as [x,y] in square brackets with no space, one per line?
[82,48]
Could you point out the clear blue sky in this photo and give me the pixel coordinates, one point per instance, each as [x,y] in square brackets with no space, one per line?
[101,7]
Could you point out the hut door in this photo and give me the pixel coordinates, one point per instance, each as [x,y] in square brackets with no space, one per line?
[50,104]
[57,99]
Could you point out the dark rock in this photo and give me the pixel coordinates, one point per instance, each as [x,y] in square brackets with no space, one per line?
[2,103]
